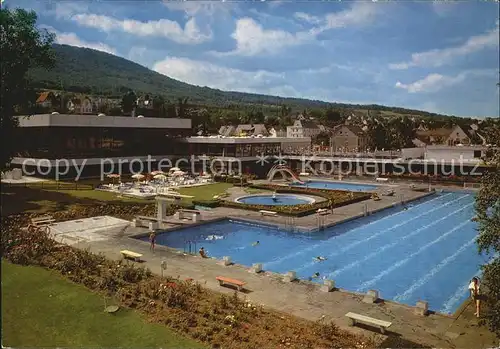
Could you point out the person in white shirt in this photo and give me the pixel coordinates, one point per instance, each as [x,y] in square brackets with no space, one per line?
[474,293]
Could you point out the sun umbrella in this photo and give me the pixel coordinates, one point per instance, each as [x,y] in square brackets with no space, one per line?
[158,172]
[161,177]
[178,173]
[138,176]
[174,169]
[113,176]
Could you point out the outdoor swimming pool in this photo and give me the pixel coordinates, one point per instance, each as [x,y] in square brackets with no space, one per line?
[277,200]
[427,252]
[336,186]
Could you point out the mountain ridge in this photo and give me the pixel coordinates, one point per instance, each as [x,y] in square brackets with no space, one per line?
[95,72]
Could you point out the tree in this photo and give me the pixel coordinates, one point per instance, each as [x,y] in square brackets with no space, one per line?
[23,46]
[488,218]
[129,102]
[182,104]
[333,116]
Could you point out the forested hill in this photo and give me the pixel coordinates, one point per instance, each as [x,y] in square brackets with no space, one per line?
[98,73]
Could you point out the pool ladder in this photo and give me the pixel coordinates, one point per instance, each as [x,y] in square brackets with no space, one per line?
[321,222]
[290,224]
[190,247]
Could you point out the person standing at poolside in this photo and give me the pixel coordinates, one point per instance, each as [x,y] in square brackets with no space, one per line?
[152,240]
[474,293]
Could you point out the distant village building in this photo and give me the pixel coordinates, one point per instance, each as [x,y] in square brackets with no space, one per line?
[244,130]
[145,102]
[80,105]
[349,138]
[441,136]
[304,128]
[47,99]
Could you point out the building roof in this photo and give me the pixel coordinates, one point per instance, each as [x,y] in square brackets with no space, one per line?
[251,129]
[226,130]
[353,128]
[77,120]
[430,136]
[437,132]
[43,96]
[308,123]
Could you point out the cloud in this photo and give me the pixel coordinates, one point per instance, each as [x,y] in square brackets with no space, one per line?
[190,34]
[252,39]
[195,8]
[136,53]
[440,57]
[302,16]
[360,13]
[73,40]
[204,73]
[444,8]
[436,82]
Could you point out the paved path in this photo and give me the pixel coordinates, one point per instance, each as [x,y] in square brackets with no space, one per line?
[298,298]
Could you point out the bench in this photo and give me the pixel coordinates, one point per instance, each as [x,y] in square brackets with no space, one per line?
[268,213]
[43,220]
[380,179]
[132,255]
[185,213]
[355,318]
[225,280]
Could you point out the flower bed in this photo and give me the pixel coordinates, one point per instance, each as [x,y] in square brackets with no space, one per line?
[184,305]
[334,198]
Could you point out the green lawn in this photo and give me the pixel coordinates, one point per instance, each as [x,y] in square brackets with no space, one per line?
[38,199]
[206,192]
[42,309]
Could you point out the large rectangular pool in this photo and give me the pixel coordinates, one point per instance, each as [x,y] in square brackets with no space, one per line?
[426,252]
[335,185]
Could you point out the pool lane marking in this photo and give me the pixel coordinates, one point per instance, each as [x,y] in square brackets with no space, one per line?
[405,295]
[298,253]
[402,262]
[462,290]
[385,247]
[358,242]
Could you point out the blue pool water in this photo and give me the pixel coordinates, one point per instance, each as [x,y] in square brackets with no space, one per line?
[336,186]
[427,252]
[280,200]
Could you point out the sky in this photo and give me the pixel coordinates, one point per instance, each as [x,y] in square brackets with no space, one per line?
[441,57]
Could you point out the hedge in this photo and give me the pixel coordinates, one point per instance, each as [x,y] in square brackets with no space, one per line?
[206,203]
[334,198]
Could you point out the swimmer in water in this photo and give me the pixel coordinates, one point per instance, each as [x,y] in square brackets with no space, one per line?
[274,197]
[320,258]
[256,243]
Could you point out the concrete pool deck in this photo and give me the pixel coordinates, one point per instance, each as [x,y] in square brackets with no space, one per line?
[303,299]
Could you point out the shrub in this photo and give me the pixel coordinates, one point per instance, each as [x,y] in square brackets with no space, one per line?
[207,203]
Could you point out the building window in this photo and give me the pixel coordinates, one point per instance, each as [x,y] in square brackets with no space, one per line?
[477,154]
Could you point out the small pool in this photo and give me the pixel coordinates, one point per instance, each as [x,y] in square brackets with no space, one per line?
[336,186]
[275,200]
